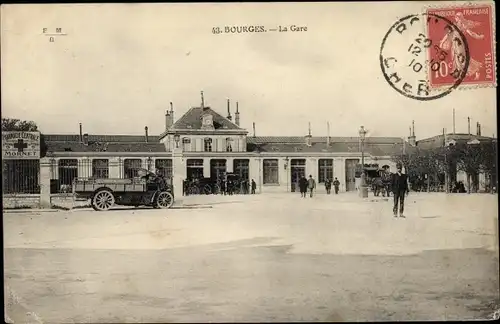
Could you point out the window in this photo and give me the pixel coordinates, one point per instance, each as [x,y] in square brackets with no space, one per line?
[270,171]
[131,168]
[186,144]
[100,168]
[194,168]
[241,168]
[208,145]
[68,170]
[164,167]
[229,144]
[325,167]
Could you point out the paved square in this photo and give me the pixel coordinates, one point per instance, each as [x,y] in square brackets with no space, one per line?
[275,257]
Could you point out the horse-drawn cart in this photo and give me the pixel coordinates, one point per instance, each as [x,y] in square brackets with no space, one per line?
[148,189]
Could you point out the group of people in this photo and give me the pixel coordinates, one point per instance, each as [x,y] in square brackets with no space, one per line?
[308,185]
[399,186]
[229,186]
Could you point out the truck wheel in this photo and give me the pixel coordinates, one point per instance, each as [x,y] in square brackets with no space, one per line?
[207,189]
[103,200]
[164,200]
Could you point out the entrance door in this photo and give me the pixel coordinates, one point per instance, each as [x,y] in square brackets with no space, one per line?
[241,168]
[297,171]
[217,168]
[350,172]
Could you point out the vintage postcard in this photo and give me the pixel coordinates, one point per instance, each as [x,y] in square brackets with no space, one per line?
[249,162]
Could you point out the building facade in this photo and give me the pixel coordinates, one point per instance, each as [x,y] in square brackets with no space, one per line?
[207,144]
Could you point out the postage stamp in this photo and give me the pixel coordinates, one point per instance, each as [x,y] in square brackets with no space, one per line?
[407,55]
[476,23]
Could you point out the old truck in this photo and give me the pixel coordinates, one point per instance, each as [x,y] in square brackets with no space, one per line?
[148,189]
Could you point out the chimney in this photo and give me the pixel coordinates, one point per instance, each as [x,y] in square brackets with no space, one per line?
[169,117]
[254,129]
[172,112]
[468,125]
[478,129]
[228,110]
[202,101]
[237,115]
[327,133]
[146,134]
[81,133]
[412,139]
[85,139]
[309,137]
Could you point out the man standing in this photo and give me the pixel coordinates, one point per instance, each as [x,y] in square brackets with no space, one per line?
[336,184]
[303,186]
[254,185]
[328,186]
[311,184]
[399,189]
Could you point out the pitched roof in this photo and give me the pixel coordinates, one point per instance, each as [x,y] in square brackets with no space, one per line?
[320,139]
[105,147]
[100,138]
[375,146]
[192,119]
[103,143]
[438,141]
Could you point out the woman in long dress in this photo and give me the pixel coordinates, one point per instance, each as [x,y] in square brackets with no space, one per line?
[452,40]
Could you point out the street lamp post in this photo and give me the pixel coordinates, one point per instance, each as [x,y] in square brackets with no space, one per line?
[286,171]
[472,150]
[363,190]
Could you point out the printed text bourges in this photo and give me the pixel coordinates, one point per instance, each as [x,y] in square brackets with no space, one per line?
[257,29]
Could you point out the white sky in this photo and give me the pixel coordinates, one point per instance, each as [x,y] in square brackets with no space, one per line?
[120,65]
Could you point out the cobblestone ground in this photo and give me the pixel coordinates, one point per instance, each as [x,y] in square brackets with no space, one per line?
[257,258]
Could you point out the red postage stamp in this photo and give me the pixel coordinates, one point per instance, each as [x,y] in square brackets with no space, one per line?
[477,25]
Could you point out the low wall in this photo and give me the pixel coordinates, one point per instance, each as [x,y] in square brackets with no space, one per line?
[67,201]
[14,201]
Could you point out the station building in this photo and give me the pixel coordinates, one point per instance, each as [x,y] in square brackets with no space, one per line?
[207,143]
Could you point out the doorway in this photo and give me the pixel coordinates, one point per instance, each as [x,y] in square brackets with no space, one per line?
[350,174]
[297,171]
[217,168]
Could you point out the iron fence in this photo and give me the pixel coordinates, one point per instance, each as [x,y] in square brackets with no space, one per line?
[21,176]
[64,171]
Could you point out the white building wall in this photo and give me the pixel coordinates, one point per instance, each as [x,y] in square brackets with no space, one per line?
[229,164]
[206,167]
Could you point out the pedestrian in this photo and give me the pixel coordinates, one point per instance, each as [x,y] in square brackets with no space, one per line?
[399,189]
[336,184]
[311,184]
[328,186]
[303,186]
[254,185]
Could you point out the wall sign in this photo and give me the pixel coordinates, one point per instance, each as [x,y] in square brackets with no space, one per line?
[20,145]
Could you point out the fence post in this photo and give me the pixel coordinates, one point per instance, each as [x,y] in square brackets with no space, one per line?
[45,166]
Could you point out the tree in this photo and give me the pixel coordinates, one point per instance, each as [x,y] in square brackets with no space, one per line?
[470,160]
[11,124]
[423,164]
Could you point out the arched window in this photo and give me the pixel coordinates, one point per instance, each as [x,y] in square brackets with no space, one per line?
[186,143]
[229,144]
[208,144]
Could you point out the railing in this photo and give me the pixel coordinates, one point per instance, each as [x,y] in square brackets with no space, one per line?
[21,177]
[64,171]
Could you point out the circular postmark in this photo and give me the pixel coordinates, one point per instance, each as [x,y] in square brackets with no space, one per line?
[408,55]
